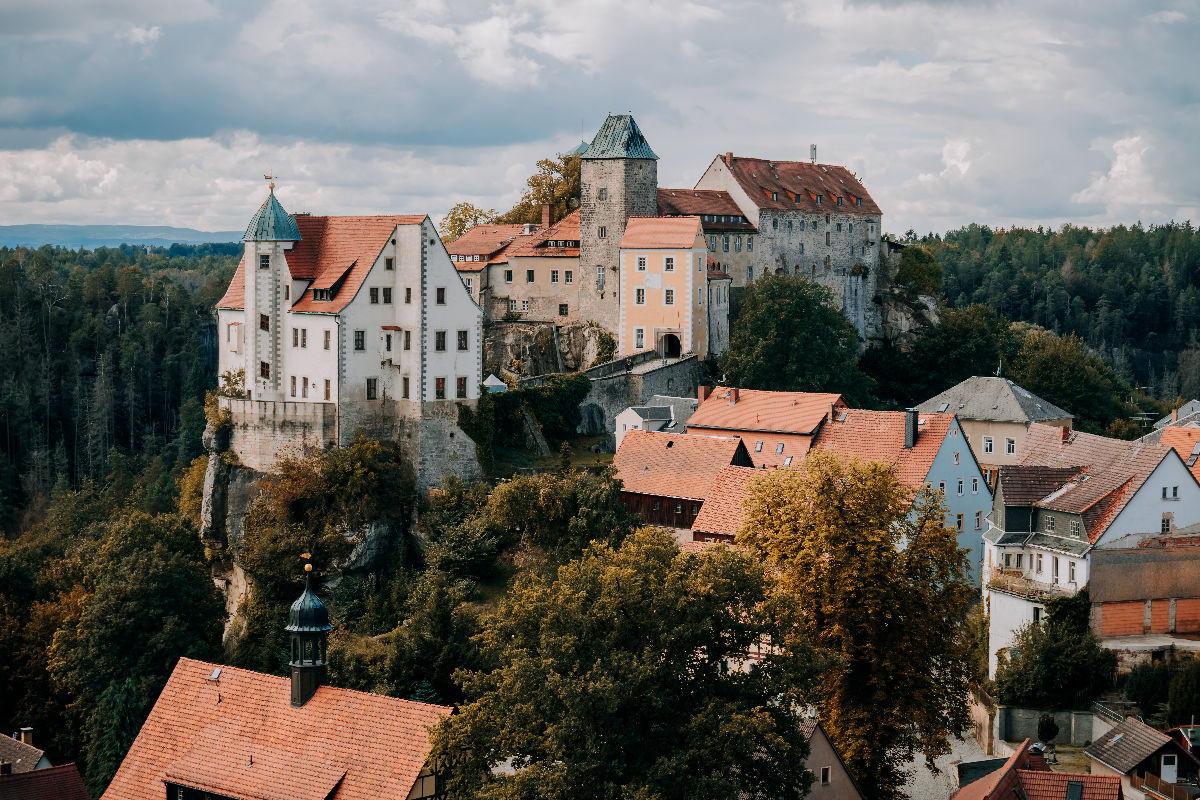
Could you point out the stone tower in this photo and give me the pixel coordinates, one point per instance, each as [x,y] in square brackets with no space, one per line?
[308,628]
[619,177]
[271,232]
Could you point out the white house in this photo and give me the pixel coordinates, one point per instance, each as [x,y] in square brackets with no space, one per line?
[348,325]
[1069,494]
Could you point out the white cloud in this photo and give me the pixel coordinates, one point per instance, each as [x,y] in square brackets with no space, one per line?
[73,21]
[1128,186]
[140,35]
[1166,17]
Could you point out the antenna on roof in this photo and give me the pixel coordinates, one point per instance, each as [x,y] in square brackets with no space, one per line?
[812,153]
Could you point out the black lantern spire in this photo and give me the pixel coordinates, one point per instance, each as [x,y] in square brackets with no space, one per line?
[308,627]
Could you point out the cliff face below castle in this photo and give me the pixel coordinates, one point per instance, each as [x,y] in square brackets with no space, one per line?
[528,349]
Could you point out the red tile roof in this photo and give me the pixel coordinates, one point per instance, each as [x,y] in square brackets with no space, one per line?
[724,511]
[239,736]
[53,783]
[673,464]
[797,184]
[1114,471]
[1045,785]
[998,784]
[537,244]
[706,202]
[1183,441]
[781,412]
[661,233]
[484,240]
[330,249]
[879,436]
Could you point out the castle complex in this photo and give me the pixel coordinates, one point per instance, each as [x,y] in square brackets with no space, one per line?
[757,216]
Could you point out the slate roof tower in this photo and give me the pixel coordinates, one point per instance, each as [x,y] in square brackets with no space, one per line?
[308,627]
[619,177]
[271,233]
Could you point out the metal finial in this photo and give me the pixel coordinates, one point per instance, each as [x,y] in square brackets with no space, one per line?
[271,182]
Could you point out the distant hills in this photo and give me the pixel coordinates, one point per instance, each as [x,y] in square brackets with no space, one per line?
[93,236]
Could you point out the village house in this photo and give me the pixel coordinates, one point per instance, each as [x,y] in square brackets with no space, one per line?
[17,753]
[831,779]
[217,731]
[1070,493]
[995,415]
[348,325]
[1148,763]
[1186,442]
[1026,775]
[666,477]
[52,783]
[477,249]
[777,427]
[724,512]
[924,449]
[727,232]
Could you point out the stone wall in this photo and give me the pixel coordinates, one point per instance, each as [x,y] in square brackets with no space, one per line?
[264,430]
[982,709]
[1015,724]
[613,393]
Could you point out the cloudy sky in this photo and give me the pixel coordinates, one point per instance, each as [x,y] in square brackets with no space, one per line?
[1026,112]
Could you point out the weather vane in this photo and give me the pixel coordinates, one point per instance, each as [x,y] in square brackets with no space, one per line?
[271,186]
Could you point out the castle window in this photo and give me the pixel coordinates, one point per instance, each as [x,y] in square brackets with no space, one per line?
[669,263]
[562,309]
[774,224]
[287,291]
[462,340]
[296,343]
[360,340]
[327,388]
[802,248]
[569,277]
[508,276]
[387,293]
[850,227]
[293,386]
[529,276]
[374,296]
[439,341]
[700,297]
[387,342]
[737,244]
[372,388]
[512,305]
[639,297]
[408,340]
[827,241]
[441,295]
[554,276]
[404,387]
[750,243]
[712,243]
[749,274]
[524,305]
[304,388]
[602,194]
[600,279]
[826,219]
[839,227]
[264,370]
[639,338]
[439,388]
[641,263]
[818,199]
[389,263]
[725,244]
[669,297]
[460,387]
[828,264]
[408,294]
[264,322]
[789,226]
[264,262]
[304,337]
[601,232]
[326,340]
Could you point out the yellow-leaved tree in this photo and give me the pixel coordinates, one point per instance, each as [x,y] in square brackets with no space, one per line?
[883,586]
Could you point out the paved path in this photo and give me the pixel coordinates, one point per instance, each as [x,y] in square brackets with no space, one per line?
[924,785]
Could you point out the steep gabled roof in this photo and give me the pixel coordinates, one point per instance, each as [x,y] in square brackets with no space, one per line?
[674,464]
[993,400]
[796,185]
[701,203]
[484,240]
[331,249]
[1025,485]
[619,137]
[542,243]
[239,736]
[755,410]
[1047,785]
[23,757]
[1185,442]
[879,436]
[1111,471]
[662,233]
[53,783]
[999,784]
[1186,410]
[1127,745]
[725,509]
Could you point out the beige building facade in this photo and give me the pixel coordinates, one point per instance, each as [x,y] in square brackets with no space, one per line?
[664,287]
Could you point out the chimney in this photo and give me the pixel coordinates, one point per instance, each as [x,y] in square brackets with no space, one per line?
[812,153]
[5,768]
[547,215]
[1065,433]
[729,159]
[26,736]
[702,393]
[910,428]
[831,412]
[1174,415]
[733,396]
[528,229]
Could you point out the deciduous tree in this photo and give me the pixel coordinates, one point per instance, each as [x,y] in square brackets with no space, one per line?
[461,218]
[881,584]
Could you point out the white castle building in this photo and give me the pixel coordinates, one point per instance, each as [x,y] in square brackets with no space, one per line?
[348,325]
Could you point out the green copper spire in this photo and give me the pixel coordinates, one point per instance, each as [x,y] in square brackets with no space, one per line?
[619,137]
[271,223]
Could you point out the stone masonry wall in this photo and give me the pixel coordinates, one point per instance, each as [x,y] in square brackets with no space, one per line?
[264,430]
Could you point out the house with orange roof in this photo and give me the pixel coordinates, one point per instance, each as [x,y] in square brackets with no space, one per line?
[666,477]
[1185,442]
[724,511]
[777,427]
[480,247]
[221,732]
[727,231]
[348,325]
[924,449]
[1069,494]
[1025,774]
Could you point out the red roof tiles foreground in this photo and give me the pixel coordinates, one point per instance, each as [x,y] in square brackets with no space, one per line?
[331,249]
[1115,470]
[1183,441]
[674,464]
[796,185]
[879,436]
[239,736]
[724,512]
[1026,775]
[661,233]
[53,783]
[754,410]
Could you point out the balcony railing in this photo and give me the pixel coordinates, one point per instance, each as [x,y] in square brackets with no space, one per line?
[1157,787]
[1015,582]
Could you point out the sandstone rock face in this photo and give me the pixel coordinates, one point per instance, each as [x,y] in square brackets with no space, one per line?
[528,349]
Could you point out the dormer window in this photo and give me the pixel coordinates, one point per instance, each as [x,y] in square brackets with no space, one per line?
[774,197]
[818,199]
[839,201]
[858,202]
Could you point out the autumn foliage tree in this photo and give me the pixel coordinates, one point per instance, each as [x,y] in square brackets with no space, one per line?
[885,588]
